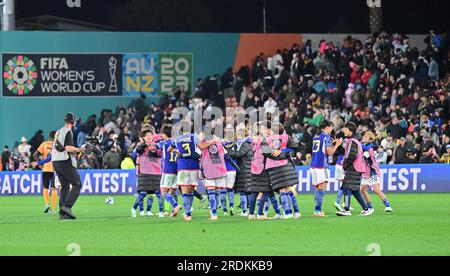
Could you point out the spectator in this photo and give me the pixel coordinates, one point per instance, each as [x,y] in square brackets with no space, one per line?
[405,152]
[433,72]
[24,147]
[36,140]
[394,129]
[112,159]
[446,156]
[381,156]
[5,158]
[428,151]
[140,108]
[127,163]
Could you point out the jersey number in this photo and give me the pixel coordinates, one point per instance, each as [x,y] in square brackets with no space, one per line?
[316,146]
[187,147]
[172,157]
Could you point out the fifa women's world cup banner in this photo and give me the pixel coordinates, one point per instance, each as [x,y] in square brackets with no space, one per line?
[395,179]
[110,75]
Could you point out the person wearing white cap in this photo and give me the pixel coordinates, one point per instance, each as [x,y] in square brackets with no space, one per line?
[24,147]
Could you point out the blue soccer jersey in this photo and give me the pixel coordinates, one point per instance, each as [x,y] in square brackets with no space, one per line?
[169,159]
[229,146]
[319,151]
[188,159]
[340,160]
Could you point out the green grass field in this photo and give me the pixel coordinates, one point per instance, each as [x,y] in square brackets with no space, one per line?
[420,225]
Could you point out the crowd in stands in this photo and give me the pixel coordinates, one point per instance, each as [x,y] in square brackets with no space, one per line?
[382,84]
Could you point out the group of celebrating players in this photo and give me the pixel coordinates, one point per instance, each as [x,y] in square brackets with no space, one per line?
[255,163]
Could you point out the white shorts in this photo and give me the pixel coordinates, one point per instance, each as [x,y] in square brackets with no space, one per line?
[339,173]
[230,180]
[216,183]
[370,181]
[319,176]
[168,181]
[187,178]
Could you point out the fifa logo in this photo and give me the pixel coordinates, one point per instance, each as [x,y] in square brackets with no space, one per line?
[74,3]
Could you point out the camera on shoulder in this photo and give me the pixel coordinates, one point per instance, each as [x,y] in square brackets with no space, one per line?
[91,143]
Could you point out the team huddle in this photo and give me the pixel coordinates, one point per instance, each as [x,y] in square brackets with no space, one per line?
[256,164]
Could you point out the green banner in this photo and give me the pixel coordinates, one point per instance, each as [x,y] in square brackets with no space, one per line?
[175,71]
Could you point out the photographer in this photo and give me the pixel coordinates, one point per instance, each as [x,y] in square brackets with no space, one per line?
[65,164]
[92,155]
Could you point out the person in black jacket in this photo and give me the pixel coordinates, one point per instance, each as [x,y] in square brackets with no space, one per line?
[352,180]
[5,158]
[244,156]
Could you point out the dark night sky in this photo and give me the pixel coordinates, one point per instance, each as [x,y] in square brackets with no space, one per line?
[412,16]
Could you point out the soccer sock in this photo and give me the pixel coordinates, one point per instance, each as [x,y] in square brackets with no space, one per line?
[198,195]
[54,198]
[339,196]
[191,200]
[264,199]
[150,200]
[187,209]
[244,201]
[175,197]
[160,201]
[276,207]
[217,197]
[360,200]
[46,197]
[169,198]
[285,203]
[347,199]
[231,197]
[252,198]
[139,200]
[319,195]
[369,205]
[212,202]
[223,199]
[386,203]
[294,202]
[266,204]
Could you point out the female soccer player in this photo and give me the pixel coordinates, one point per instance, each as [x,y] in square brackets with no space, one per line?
[260,176]
[243,154]
[371,178]
[213,170]
[322,148]
[169,170]
[148,169]
[187,166]
[354,167]
[230,145]
[282,172]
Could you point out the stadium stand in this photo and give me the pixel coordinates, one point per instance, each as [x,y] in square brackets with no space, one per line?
[382,84]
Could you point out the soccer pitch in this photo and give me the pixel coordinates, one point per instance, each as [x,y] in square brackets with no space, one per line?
[420,225]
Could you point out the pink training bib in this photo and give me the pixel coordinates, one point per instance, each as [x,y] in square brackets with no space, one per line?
[213,162]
